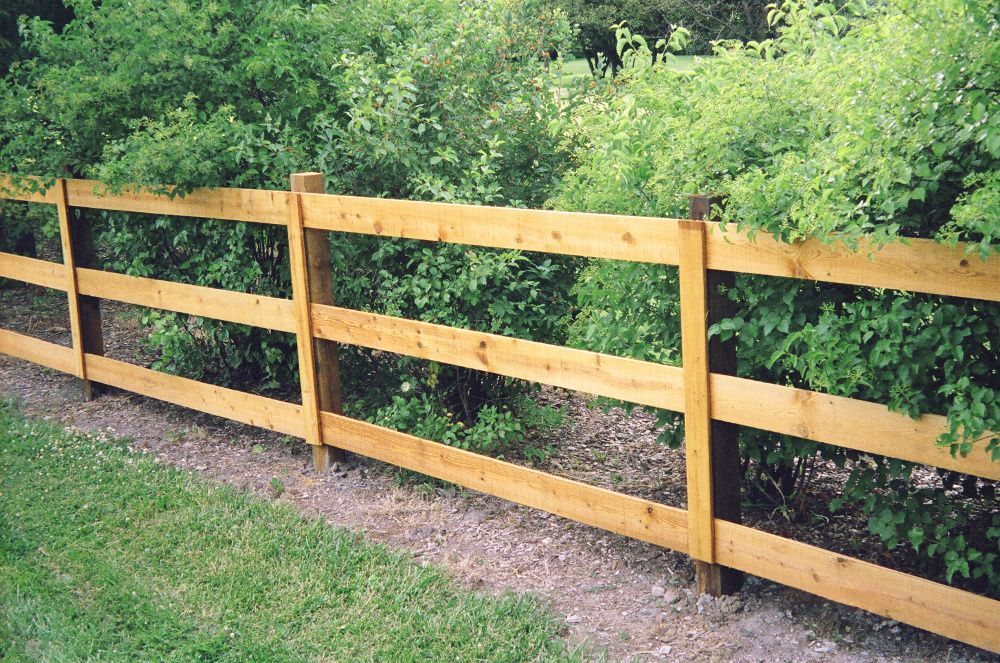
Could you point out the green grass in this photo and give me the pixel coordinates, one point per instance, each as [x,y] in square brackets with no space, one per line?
[578,69]
[107,555]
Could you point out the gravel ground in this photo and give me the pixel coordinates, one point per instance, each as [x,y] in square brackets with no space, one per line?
[619,597]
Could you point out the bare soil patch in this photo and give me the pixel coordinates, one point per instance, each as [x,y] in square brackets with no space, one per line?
[619,597]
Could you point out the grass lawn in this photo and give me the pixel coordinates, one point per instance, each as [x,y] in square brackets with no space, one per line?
[578,68]
[105,554]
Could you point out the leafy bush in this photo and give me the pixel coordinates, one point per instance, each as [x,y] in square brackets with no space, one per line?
[856,123]
[495,430]
[425,99]
[54,11]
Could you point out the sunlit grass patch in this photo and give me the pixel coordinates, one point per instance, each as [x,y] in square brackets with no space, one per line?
[105,554]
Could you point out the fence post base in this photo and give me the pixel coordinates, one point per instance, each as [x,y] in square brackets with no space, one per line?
[324,457]
[715,579]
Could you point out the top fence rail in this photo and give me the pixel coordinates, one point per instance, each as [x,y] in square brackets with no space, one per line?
[918,265]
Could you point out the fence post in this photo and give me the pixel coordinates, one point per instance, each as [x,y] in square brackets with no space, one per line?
[84,312]
[321,366]
[713,462]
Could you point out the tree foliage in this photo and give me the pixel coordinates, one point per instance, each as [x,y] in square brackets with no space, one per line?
[54,11]
[855,123]
[707,21]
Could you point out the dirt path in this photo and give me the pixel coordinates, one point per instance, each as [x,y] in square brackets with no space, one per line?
[627,599]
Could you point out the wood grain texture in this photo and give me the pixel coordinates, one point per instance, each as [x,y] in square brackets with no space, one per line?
[9,190]
[845,422]
[222,402]
[641,239]
[697,403]
[724,438]
[85,255]
[938,608]
[319,267]
[921,265]
[69,272]
[37,351]
[34,271]
[242,308]
[657,385]
[249,205]
[303,324]
[631,516]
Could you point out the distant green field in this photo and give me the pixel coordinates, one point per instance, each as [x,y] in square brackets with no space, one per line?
[577,67]
[106,555]
[573,69]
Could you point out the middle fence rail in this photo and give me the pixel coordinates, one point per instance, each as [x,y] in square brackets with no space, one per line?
[705,388]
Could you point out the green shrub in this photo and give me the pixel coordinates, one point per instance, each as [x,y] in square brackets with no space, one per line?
[856,123]
[423,99]
[496,429]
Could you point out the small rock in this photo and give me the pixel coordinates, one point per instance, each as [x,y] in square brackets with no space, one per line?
[731,605]
[704,602]
[573,619]
[664,650]
[658,591]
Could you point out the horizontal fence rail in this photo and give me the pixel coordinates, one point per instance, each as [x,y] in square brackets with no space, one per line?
[918,266]
[846,422]
[614,377]
[253,310]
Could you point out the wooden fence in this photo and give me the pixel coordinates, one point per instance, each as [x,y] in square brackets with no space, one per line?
[706,389]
